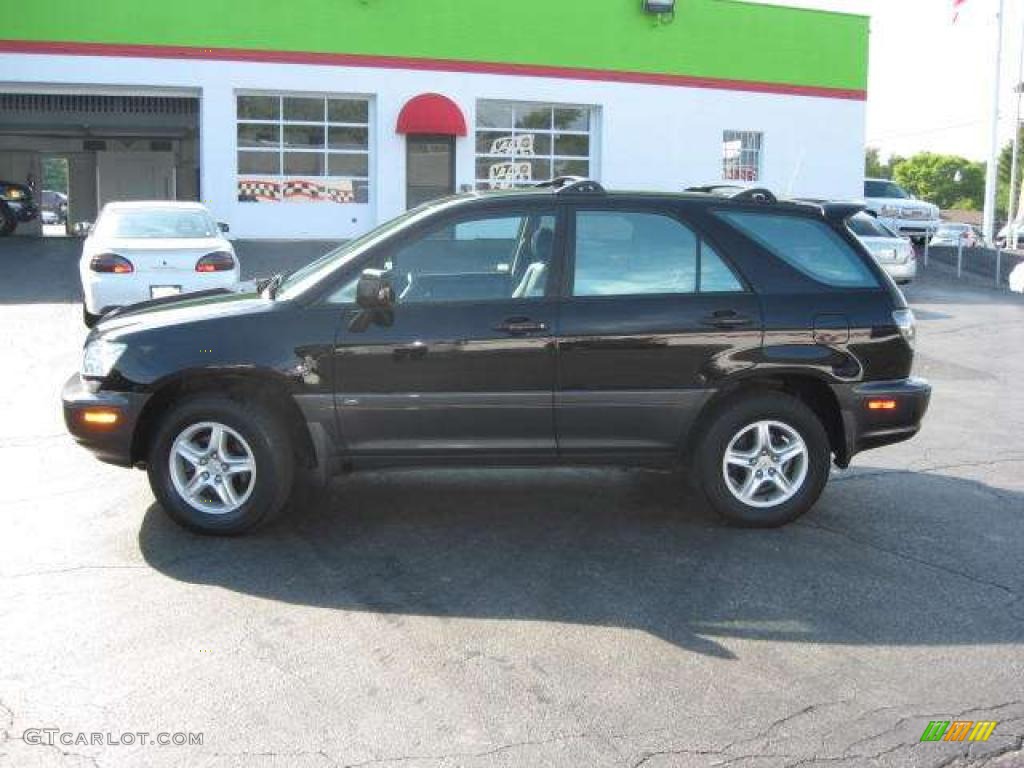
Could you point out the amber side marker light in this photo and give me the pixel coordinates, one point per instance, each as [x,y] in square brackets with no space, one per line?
[881,405]
[100,418]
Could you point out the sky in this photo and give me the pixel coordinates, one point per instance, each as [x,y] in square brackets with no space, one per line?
[930,80]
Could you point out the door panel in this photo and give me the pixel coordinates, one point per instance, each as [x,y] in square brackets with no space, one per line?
[443,379]
[464,362]
[635,365]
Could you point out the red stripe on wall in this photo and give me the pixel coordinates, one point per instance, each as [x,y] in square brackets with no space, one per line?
[404,62]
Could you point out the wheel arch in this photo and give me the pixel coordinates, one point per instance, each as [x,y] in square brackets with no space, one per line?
[261,386]
[812,390]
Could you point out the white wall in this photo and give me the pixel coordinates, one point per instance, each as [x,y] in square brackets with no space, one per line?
[647,136]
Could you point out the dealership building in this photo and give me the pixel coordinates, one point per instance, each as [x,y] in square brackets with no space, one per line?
[322,118]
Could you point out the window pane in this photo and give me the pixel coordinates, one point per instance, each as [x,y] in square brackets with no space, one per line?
[572,119]
[571,168]
[806,244]
[569,144]
[301,136]
[530,116]
[715,276]
[303,164]
[348,165]
[490,114]
[259,108]
[620,254]
[348,111]
[494,257]
[296,108]
[259,135]
[259,163]
[348,138]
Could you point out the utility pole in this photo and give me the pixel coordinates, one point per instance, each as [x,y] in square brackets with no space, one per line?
[1013,201]
[992,174]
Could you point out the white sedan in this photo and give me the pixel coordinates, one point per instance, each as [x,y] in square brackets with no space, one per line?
[150,250]
[893,253]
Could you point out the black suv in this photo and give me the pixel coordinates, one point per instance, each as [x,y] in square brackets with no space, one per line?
[751,339]
[16,206]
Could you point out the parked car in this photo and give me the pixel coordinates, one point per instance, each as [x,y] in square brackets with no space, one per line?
[750,339]
[149,250]
[951,234]
[900,211]
[894,254]
[16,206]
[55,204]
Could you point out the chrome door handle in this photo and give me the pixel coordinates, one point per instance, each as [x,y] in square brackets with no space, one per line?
[520,325]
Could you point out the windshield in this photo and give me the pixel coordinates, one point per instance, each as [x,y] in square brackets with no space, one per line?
[310,275]
[156,223]
[863,225]
[884,189]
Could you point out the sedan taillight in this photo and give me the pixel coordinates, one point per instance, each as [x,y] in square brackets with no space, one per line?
[218,261]
[111,263]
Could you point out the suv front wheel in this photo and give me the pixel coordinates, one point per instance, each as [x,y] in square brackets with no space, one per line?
[764,460]
[220,467]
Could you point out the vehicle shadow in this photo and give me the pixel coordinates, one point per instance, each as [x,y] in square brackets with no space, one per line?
[884,559]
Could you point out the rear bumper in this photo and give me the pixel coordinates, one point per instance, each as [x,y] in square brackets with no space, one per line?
[901,272]
[103,292]
[866,428]
[110,442]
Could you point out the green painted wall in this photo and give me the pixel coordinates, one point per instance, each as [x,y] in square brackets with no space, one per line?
[709,38]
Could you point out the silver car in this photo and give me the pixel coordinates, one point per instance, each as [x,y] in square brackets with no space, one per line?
[893,253]
[951,234]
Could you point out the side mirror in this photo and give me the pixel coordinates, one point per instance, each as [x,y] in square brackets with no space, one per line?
[374,290]
[223,226]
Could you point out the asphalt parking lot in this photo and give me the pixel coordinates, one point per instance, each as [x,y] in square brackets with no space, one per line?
[517,618]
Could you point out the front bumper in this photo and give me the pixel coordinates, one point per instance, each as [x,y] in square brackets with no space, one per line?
[865,428]
[23,211]
[110,442]
[911,227]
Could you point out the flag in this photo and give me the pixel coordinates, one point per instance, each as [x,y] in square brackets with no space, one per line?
[956,9]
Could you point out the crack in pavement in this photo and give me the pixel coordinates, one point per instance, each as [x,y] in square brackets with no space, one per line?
[73,569]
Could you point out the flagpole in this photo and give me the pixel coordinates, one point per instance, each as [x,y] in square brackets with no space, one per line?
[992,173]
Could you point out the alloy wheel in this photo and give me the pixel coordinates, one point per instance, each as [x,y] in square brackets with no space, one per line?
[765,464]
[213,469]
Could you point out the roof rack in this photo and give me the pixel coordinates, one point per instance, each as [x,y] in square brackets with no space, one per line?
[738,193]
[572,185]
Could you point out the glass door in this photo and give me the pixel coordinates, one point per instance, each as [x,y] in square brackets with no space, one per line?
[429,169]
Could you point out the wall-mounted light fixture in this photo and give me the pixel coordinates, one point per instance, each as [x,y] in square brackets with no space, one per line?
[660,6]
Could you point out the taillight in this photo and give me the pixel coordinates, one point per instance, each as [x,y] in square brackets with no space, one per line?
[111,263]
[218,261]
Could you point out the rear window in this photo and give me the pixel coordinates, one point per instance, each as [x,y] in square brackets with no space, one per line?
[807,245]
[156,223]
[863,225]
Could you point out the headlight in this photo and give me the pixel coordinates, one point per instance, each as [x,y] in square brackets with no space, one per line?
[15,193]
[890,211]
[100,357]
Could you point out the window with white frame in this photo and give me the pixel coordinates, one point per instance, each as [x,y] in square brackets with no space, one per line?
[303,149]
[741,155]
[520,143]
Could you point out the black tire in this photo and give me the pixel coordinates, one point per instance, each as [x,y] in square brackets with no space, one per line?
[89,318]
[267,437]
[731,418]
[8,222]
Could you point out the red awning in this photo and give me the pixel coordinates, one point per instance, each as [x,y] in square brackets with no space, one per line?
[432,113]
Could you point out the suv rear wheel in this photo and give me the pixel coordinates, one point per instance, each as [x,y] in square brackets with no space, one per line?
[220,467]
[763,460]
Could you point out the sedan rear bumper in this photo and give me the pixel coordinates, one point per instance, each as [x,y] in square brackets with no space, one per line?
[102,421]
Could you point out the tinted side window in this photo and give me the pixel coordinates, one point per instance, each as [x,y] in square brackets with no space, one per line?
[623,253]
[715,276]
[807,245]
[491,257]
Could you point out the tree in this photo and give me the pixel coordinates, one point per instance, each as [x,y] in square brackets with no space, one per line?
[945,180]
[874,168]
